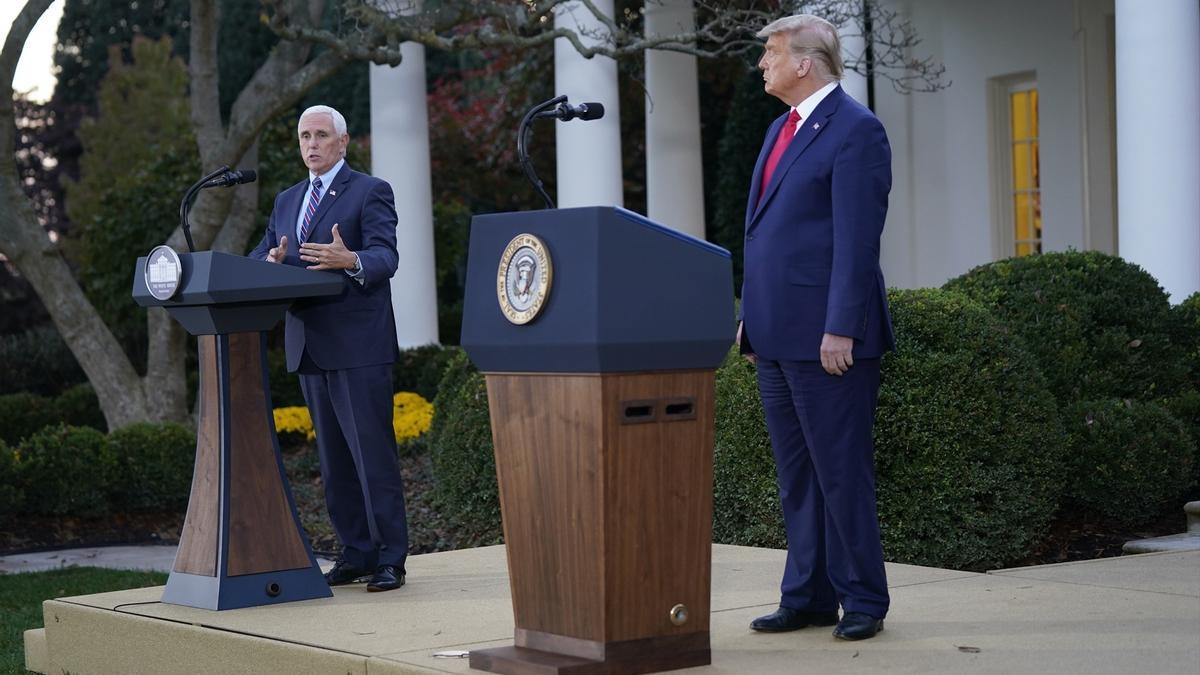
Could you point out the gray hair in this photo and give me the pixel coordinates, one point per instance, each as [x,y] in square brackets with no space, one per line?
[339,122]
[813,38]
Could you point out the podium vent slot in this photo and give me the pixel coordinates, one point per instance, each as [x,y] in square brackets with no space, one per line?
[637,412]
[679,409]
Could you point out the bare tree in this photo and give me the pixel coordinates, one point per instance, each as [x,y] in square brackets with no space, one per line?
[221,220]
[374,29]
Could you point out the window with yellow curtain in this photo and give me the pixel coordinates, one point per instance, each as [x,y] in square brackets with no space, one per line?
[1026,182]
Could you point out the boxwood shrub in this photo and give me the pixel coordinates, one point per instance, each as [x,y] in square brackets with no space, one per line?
[1186,408]
[23,413]
[65,470]
[79,407]
[460,444]
[746,506]
[969,443]
[37,361]
[12,496]
[420,369]
[1128,459]
[152,467]
[1185,332]
[1098,326]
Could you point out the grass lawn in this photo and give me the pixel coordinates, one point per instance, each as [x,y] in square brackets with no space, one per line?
[21,597]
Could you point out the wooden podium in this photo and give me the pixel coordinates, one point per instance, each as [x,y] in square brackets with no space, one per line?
[242,544]
[602,416]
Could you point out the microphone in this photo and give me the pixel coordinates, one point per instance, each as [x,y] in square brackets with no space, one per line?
[230,178]
[566,112]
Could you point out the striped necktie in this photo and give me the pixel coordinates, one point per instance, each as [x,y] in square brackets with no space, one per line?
[314,198]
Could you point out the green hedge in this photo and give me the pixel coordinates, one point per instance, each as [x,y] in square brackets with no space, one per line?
[1186,408]
[79,407]
[420,369]
[1185,332]
[464,464]
[65,470]
[153,467]
[37,361]
[1098,326]
[967,439]
[1128,458]
[969,443]
[12,496]
[745,494]
[78,471]
[24,413]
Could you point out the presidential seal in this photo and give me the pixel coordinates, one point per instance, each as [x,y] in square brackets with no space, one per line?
[162,272]
[523,278]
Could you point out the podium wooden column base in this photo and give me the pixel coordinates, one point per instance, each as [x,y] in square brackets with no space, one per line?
[606,493]
[241,544]
[560,654]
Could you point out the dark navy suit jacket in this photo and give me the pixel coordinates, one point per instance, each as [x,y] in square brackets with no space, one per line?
[354,328]
[812,241]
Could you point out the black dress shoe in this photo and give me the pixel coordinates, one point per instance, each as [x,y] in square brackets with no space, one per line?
[344,573]
[785,619]
[857,626]
[386,578]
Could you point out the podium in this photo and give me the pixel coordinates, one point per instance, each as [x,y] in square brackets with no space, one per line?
[601,406]
[241,544]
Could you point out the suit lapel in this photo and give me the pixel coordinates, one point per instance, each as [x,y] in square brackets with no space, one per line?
[333,191]
[756,177]
[809,130]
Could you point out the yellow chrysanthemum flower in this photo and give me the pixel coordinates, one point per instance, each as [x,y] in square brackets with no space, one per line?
[411,417]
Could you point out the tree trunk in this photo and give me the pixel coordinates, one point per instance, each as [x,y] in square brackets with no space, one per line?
[222,219]
[39,260]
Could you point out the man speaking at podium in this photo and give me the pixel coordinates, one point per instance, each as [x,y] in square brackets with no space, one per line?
[815,319]
[343,346]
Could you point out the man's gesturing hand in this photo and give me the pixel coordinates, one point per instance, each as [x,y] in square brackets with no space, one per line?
[278,253]
[837,353]
[333,256]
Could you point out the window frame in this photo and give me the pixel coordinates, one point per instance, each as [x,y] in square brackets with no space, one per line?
[1004,224]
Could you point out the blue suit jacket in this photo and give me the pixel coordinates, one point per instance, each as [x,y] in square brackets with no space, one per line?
[812,241]
[354,328]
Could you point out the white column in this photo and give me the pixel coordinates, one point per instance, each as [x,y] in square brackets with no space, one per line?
[400,155]
[674,168]
[588,153]
[1158,140]
[853,47]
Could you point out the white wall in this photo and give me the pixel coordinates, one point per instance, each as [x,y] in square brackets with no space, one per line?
[940,220]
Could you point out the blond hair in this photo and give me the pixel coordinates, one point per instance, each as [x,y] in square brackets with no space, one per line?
[811,37]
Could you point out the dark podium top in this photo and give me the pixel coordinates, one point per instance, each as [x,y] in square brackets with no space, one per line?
[221,293]
[627,295]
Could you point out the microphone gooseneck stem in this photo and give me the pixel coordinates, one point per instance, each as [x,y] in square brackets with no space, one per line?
[523,142]
[186,205]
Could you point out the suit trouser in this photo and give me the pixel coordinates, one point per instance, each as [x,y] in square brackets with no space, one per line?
[820,427]
[364,493]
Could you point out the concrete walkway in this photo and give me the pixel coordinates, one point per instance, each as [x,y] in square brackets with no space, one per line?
[1118,615]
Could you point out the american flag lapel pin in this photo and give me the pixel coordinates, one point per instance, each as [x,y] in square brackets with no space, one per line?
[333,193]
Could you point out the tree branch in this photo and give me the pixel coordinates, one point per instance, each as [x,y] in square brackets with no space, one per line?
[374,30]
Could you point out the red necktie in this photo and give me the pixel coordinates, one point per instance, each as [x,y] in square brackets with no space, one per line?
[781,143]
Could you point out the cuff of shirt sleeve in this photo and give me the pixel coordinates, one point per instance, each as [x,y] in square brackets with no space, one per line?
[357,272]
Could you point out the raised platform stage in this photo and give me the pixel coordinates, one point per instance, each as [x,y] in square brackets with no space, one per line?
[1131,614]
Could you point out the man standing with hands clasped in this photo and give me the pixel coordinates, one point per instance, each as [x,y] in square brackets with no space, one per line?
[343,346]
[816,322]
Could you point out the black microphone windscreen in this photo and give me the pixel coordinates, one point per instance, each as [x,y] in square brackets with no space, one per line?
[591,111]
[248,175]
